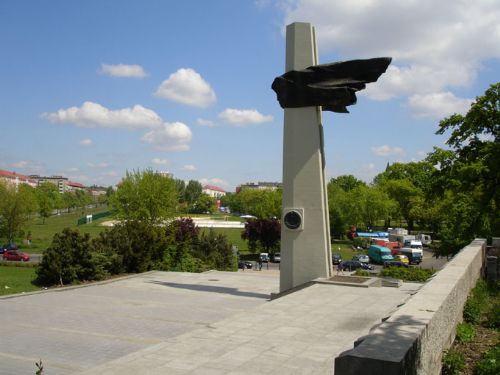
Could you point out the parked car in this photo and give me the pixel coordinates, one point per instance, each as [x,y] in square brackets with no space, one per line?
[336,259]
[352,265]
[264,257]
[242,264]
[361,258]
[393,263]
[9,246]
[277,257]
[15,255]
[401,258]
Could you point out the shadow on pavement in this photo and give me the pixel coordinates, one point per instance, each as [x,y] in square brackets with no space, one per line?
[213,289]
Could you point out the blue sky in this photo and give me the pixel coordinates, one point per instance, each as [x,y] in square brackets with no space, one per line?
[90,89]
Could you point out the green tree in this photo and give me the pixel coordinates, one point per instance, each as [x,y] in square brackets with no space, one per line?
[205,203]
[16,205]
[475,166]
[145,196]
[346,182]
[48,199]
[263,234]
[192,193]
[263,204]
[68,259]
[215,251]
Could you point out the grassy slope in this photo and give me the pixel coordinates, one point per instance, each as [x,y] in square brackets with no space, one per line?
[16,280]
[42,233]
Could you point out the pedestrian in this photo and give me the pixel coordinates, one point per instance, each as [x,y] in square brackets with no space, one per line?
[260,264]
[340,270]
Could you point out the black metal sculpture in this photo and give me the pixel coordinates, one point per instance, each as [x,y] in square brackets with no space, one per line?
[332,86]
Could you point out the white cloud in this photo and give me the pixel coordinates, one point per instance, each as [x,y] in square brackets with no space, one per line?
[205,122]
[189,167]
[123,70]
[91,115]
[159,161]
[169,137]
[21,164]
[437,105]
[86,142]
[188,87]
[73,169]
[242,117]
[213,181]
[385,150]
[436,46]
[98,165]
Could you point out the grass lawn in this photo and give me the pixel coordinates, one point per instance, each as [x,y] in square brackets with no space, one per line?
[42,233]
[344,248]
[16,280]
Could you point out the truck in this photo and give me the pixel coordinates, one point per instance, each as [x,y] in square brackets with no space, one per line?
[424,238]
[393,246]
[401,238]
[414,255]
[379,254]
[414,244]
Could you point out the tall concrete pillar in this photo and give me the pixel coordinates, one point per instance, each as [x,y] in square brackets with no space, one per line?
[305,233]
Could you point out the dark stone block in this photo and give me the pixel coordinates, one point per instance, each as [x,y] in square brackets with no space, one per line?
[332,86]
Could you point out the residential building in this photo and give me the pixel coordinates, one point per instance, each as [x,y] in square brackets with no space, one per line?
[213,191]
[15,179]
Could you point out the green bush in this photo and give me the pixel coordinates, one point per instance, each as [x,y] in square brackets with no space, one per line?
[490,363]
[361,272]
[493,317]
[465,332]
[67,260]
[407,274]
[476,305]
[453,363]
[361,242]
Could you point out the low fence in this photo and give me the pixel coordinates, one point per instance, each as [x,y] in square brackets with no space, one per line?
[89,218]
[412,339]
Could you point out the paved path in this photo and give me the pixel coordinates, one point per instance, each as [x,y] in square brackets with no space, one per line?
[175,323]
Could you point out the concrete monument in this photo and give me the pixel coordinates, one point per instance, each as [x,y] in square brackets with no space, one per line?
[302,91]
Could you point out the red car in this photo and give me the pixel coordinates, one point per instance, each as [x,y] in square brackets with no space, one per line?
[15,255]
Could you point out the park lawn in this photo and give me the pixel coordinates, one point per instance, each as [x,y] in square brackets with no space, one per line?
[17,280]
[344,248]
[42,233]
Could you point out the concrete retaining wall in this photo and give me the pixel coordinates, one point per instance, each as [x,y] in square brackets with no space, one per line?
[411,340]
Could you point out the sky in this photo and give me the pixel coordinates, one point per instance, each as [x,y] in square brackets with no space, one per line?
[91,89]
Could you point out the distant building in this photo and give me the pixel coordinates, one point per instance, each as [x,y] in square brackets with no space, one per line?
[213,191]
[59,181]
[260,186]
[15,179]
[74,186]
[63,184]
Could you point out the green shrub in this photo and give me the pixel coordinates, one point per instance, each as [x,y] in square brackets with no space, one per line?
[453,363]
[472,311]
[465,332]
[361,272]
[476,304]
[68,259]
[490,363]
[493,317]
[407,274]
[361,242]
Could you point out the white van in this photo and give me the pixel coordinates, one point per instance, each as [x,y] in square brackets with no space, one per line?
[264,257]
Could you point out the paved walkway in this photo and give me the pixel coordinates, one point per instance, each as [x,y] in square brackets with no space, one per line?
[179,323]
